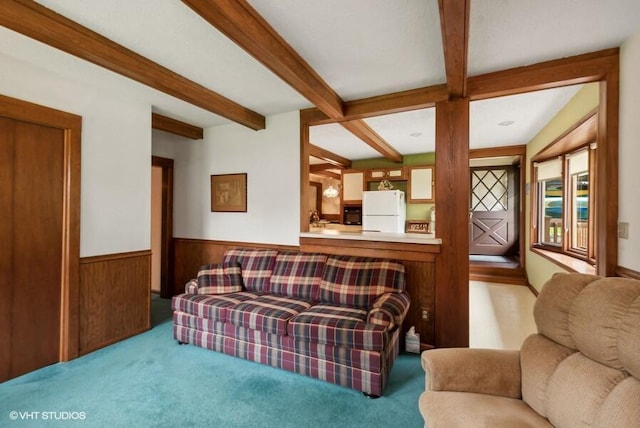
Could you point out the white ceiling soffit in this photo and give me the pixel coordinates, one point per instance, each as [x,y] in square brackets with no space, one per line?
[512,33]
[363,48]
[172,35]
[528,112]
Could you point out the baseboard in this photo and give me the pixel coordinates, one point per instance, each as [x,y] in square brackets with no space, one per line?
[627,273]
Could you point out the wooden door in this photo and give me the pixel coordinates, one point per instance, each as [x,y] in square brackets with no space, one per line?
[492,229]
[31,161]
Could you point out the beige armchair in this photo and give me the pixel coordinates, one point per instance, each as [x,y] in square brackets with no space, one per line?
[582,368]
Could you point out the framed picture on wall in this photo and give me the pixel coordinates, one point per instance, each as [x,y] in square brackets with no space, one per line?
[229,193]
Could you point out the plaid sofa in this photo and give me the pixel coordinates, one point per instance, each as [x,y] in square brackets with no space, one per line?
[334,318]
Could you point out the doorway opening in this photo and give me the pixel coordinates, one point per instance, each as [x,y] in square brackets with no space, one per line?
[496,217]
[161,226]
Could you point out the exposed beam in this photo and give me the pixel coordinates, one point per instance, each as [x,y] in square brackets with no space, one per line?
[329,157]
[37,22]
[379,105]
[590,67]
[241,23]
[492,152]
[323,167]
[173,126]
[360,129]
[454,22]
[328,174]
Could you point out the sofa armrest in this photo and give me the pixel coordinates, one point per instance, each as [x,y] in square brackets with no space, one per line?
[484,371]
[389,310]
[191,287]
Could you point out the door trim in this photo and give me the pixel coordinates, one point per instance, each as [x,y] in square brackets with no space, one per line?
[70,278]
[166,258]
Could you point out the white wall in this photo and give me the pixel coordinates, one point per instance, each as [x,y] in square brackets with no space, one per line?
[271,159]
[116,153]
[629,146]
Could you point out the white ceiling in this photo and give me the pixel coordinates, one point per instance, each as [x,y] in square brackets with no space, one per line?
[359,47]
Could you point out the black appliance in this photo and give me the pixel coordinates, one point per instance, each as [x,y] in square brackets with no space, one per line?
[352,215]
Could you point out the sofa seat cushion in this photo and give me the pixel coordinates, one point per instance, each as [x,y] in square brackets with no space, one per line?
[214,307]
[338,326]
[444,409]
[267,313]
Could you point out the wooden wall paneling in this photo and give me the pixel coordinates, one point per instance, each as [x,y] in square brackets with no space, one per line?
[114,298]
[452,214]
[6,248]
[421,288]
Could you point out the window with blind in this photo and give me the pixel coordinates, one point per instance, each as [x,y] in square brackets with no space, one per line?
[563,198]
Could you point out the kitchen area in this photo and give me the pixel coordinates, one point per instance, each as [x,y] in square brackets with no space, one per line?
[387,200]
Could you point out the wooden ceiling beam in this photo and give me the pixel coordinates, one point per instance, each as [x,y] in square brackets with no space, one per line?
[319,167]
[173,126]
[329,157]
[585,68]
[329,174]
[243,24]
[397,102]
[454,23]
[40,23]
[360,129]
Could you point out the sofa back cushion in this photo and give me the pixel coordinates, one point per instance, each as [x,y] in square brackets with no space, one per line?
[219,278]
[256,266]
[297,274]
[358,281]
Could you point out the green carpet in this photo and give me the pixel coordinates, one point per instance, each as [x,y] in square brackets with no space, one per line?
[151,381]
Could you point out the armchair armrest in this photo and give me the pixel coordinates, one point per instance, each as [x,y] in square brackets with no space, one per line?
[389,310]
[484,371]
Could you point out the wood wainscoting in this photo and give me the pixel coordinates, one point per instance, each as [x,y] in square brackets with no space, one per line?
[114,298]
[190,254]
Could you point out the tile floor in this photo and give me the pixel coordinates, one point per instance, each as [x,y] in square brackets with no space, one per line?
[500,315]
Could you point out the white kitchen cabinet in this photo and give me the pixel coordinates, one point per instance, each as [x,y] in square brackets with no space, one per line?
[421,184]
[352,186]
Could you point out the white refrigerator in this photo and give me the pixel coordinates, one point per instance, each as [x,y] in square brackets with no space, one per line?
[383,211]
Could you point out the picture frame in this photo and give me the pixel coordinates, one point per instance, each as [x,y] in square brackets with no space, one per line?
[417,226]
[229,193]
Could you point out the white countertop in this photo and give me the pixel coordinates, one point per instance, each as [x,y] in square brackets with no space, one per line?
[360,235]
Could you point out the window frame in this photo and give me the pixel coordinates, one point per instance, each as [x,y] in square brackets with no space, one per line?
[566,247]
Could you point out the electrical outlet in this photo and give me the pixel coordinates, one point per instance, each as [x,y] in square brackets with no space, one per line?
[623,230]
[425,314]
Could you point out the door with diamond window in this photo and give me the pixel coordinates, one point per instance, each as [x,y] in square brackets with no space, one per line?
[492,228]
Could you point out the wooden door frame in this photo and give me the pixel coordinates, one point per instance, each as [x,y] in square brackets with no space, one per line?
[318,187]
[519,151]
[166,258]
[70,278]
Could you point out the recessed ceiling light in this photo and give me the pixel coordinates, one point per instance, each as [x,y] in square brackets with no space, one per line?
[506,123]
[416,134]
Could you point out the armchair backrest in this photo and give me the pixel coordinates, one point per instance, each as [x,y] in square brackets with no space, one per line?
[583,366]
